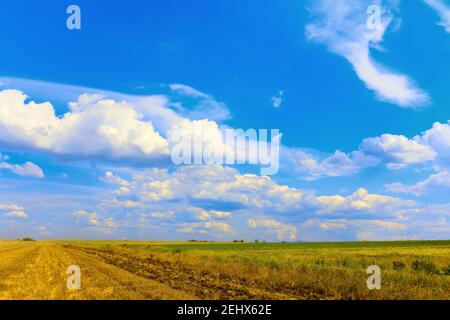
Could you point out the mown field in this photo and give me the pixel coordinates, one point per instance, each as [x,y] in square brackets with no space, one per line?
[203,270]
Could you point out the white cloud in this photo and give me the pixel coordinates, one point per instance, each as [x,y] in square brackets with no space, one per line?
[219,228]
[13,210]
[91,217]
[436,184]
[154,107]
[16,214]
[443,10]
[215,183]
[333,225]
[429,149]
[282,231]
[191,188]
[397,151]
[12,207]
[28,169]
[360,229]
[159,214]
[343,224]
[94,222]
[391,225]
[277,100]
[362,202]
[65,136]
[194,139]
[203,214]
[103,129]
[204,142]
[438,139]
[192,200]
[342,26]
[336,165]
[205,106]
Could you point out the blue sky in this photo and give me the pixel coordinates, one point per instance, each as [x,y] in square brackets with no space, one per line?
[363,112]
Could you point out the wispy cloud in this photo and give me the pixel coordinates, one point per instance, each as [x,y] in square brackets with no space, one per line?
[341,25]
[13,210]
[443,10]
[205,106]
[16,214]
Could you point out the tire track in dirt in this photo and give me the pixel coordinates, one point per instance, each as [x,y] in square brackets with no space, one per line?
[105,281]
[38,271]
[204,284]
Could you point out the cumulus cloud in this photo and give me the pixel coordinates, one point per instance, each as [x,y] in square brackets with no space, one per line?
[398,151]
[195,141]
[438,139]
[217,202]
[282,231]
[28,169]
[436,184]
[195,193]
[342,26]
[213,183]
[120,131]
[103,129]
[204,142]
[339,164]
[363,202]
[443,10]
[91,218]
[429,149]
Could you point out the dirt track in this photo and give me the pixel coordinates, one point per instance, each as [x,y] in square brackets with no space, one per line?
[37,270]
[204,284]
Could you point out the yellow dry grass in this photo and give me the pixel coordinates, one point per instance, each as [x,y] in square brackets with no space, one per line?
[37,270]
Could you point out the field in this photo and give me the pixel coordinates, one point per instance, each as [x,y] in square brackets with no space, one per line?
[204,270]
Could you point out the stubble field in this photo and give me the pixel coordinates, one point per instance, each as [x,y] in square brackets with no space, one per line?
[204,270]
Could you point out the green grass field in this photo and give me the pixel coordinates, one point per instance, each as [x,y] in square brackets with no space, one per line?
[410,269]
